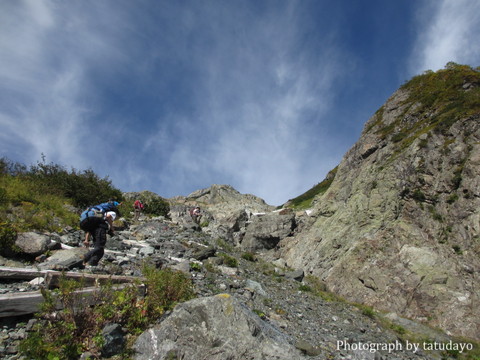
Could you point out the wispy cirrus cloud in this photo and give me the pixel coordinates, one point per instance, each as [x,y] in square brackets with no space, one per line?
[40,87]
[447,31]
[259,106]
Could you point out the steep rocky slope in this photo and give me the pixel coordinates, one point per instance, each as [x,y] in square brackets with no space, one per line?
[244,308]
[399,227]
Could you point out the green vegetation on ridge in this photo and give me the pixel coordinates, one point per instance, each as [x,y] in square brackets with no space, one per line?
[41,197]
[436,100]
[304,201]
[49,197]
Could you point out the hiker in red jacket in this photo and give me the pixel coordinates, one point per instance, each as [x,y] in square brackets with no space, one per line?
[196,215]
[138,207]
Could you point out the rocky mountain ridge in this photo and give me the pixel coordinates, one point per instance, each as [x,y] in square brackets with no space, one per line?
[399,227]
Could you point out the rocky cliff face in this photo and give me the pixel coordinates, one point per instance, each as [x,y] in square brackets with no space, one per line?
[223,200]
[399,227]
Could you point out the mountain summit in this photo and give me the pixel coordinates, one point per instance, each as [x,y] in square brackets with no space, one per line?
[398,227]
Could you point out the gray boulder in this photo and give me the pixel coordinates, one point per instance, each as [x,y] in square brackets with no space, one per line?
[296,275]
[64,259]
[217,327]
[266,231]
[231,227]
[204,253]
[32,243]
[114,338]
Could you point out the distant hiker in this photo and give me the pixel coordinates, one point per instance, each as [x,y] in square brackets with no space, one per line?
[195,214]
[96,221]
[138,207]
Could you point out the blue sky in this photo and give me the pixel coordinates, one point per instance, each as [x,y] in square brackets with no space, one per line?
[174,96]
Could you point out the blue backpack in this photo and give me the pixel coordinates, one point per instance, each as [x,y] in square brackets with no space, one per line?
[98,211]
[92,212]
[108,206]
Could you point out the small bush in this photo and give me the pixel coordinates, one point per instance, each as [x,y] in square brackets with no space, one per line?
[399,137]
[457,249]
[223,245]
[418,195]
[210,267]
[367,310]
[457,179]
[305,288]
[3,196]
[260,313]
[78,326]
[230,261]
[157,207]
[167,287]
[398,329]
[8,235]
[248,256]
[452,198]
[195,266]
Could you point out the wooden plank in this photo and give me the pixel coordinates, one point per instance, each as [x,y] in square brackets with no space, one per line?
[20,273]
[52,277]
[15,304]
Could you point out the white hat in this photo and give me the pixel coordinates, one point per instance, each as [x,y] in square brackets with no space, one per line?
[112,214]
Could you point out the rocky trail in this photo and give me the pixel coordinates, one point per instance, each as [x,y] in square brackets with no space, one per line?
[309,324]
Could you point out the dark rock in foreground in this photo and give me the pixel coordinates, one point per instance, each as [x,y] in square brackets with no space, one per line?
[217,327]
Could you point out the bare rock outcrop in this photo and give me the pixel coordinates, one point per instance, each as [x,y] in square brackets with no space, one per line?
[399,227]
[266,231]
[217,327]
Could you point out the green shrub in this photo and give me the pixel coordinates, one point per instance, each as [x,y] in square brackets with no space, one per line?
[3,196]
[305,288]
[398,329]
[167,287]
[436,216]
[248,256]
[195,266]
[8,235]
[457,249]
[418,195]
[35,198]
[457,179]
[452,198]
[223,245]
[366,310]
[78,326]
[157,207]
[260,313]
[228,260]
[399,137]
[84,188]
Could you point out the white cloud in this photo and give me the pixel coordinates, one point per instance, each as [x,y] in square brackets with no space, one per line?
[258,109]
[240,99]
[47,50]
[448,31]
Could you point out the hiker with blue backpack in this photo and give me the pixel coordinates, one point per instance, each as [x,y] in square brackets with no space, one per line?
[96,221]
